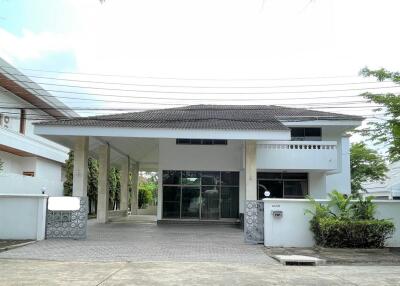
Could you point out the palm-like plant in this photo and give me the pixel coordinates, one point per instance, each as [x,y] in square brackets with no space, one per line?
[341,204]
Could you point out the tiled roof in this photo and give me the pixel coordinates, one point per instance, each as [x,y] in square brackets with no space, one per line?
[239,117]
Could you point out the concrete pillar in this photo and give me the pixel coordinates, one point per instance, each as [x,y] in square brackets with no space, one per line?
[103,193]
[251,170]
[80,173]
[135,187]
[159,195]
[124,185]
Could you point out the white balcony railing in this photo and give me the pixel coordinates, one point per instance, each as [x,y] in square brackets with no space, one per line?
[297,155]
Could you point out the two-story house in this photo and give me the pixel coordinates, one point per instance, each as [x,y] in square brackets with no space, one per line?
[30,163]
[211,159]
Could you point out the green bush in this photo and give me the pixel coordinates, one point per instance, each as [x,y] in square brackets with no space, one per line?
[345,223]
[334,232]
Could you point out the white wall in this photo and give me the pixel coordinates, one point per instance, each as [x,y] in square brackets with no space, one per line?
[339,180]
[47,175]
[200,157]
[317,185]
[293,228]
[22,216]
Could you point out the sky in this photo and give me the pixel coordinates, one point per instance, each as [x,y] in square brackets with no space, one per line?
[131,54]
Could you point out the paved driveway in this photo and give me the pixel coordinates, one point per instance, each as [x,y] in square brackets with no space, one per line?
[140,242]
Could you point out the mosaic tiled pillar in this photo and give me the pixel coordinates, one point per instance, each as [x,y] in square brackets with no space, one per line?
[68,224]
[254,221]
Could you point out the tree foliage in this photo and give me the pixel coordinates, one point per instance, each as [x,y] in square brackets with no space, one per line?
[114,188]
[147,190]
[114,181]
[366,165]
[386,131]
[1,165]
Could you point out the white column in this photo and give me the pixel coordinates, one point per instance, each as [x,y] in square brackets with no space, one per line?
[103,195]
[124,185]
[251,170]
[80,174]
[159,195]
[135,187]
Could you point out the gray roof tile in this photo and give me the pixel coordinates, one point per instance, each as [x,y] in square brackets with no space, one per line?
[239,117]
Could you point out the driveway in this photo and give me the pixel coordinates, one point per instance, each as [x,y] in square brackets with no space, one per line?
[141,242]
[34,272]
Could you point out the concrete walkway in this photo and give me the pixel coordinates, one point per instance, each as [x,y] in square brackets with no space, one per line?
[34,272]
[141,242]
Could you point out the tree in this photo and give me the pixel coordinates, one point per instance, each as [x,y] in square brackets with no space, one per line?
[146,191]
[366,165]
[93,178]
[385,131]
[114,188]
[69,173]
[93,174]
[1,165]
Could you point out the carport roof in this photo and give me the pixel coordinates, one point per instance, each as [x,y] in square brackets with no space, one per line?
[231,117]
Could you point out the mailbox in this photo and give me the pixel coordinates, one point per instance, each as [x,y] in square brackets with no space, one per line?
[277,214]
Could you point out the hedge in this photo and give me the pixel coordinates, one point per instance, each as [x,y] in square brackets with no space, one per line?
[334,232]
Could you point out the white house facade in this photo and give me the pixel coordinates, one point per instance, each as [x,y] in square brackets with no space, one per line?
[31,163]
[211,159]
[389,189]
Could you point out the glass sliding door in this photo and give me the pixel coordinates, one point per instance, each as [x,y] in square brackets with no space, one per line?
[190,202]
[229,202]
[210,202]
[206,195]
[171,201]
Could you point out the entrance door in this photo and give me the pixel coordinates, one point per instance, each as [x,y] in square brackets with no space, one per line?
[210,202]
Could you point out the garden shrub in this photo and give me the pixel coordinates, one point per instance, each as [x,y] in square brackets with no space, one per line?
[334,232]
[345,223]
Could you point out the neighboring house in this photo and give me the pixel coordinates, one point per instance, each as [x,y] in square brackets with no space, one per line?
[31,164]
[389,189]
[211,159]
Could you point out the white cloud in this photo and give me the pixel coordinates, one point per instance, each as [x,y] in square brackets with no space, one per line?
[31,45]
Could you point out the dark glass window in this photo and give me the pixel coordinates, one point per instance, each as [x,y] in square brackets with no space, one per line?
[171,177]
[275,188]
[220,142]
[300,176]
[230,178]
[306,133]
[190,178]
[210,178]
[269,175]
[282,185]
[182,141]
[171,201]
[312,132]
[201,141]
[295,189]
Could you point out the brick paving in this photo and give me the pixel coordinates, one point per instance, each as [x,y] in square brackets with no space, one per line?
[140,242]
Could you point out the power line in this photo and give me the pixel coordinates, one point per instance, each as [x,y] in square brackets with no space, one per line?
[181,86]
[163,103]
[178,78]
[312,105]
[201,92]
